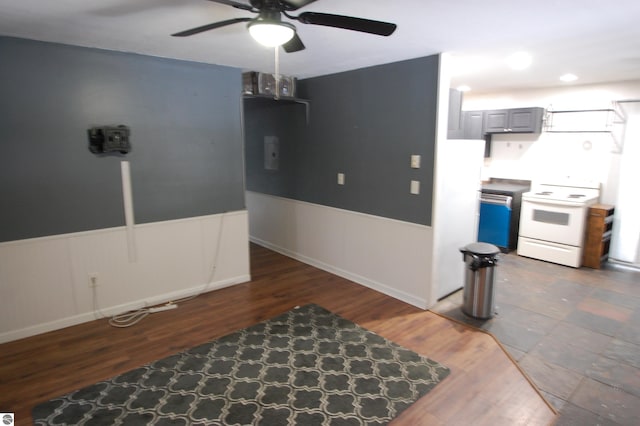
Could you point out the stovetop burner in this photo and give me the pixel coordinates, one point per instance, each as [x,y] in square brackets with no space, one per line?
[574,195]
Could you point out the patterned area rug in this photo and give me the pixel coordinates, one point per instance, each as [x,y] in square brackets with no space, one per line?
[305,367]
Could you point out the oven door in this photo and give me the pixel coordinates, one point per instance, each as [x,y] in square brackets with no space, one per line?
[551,220]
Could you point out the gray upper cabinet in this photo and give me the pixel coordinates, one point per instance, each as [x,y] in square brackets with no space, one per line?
[517,120]
[484,124]
[473,124]
[496,121]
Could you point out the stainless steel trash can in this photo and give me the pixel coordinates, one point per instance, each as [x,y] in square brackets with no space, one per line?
[479,290]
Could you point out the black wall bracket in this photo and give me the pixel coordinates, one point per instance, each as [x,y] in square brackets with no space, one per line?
[109,139]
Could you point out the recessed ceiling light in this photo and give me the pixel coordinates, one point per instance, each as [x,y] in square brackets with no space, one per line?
[463,88]
[568,77]
[519,61]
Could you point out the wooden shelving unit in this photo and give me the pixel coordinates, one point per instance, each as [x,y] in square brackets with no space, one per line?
[599,225]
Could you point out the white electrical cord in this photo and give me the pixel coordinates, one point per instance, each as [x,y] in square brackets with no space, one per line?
[213,267]
[277,61]
[96,307]
[130,318]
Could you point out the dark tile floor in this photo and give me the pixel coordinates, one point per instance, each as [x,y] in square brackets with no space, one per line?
[575,332]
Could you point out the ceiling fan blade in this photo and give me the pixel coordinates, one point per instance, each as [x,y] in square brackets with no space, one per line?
[208,27]
[235,4]
[347,23]
[293,45]
[295,4]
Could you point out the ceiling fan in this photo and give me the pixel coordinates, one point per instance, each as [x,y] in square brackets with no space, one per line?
[269,29]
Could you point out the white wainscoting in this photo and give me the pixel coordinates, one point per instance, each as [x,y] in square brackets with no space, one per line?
[44,282]
[387,255]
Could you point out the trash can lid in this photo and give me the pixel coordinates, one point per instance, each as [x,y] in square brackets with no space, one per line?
[483,249]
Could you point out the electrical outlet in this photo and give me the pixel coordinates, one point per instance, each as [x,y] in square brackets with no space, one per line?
[415,187]
[93,280]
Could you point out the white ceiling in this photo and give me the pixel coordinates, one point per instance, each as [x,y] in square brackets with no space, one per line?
[597,40]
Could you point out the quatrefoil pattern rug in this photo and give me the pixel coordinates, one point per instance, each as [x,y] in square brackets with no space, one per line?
[307,367]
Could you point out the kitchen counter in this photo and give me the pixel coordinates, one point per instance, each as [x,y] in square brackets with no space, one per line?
[504,188]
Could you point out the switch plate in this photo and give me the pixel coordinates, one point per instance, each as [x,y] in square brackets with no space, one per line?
[340,178]
[271,153]
[415,161]
[415,187]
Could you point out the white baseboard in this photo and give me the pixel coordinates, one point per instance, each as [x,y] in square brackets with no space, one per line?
[46,281]
[115,310]
[389,291]
[386,255]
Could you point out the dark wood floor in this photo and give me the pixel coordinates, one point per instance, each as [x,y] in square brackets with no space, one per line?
[485,386]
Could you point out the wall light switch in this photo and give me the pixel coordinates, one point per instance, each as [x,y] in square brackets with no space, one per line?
[271,153]
[415,187]
[340,178]
[415,161]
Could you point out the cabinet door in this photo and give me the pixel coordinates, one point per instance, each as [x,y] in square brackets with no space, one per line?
[496,121]
[517,120]
[472,123]
[525,120]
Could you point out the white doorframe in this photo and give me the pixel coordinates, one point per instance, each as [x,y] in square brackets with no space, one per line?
[625,241]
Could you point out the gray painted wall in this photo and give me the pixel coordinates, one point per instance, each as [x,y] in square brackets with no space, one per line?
[186,133]
[282,119]
[364,123]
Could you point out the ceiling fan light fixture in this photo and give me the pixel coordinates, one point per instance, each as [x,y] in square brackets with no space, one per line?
[271,33]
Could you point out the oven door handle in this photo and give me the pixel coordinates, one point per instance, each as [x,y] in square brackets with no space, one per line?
[552,203]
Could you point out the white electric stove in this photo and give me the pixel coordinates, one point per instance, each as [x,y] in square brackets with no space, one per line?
[553,221]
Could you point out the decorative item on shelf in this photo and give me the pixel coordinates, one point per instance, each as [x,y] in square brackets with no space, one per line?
[268,84]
